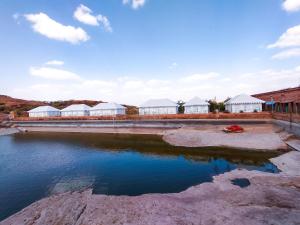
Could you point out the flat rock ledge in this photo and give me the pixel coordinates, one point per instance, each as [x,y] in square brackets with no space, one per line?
[269,199]
[259,137]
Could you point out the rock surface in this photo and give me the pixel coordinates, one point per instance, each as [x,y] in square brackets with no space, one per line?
[260,137]
[270,199]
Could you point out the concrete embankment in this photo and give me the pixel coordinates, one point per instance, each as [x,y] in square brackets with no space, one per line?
[269,199]
[7,131]
[165,123]
[259,134]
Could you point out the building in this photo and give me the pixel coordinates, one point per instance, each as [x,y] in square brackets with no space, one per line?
[196,106]
[244,103]
[107,109]
[44,111]
[76,110]
[158,107]
[283,101]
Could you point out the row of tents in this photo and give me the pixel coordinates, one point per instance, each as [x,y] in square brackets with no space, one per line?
[240,103]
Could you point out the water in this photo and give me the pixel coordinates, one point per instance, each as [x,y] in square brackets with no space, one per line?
[35,165]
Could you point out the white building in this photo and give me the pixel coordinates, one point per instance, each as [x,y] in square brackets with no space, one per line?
[107,109]
[244,103]
[158,106]
[76,110]
[196,106]
[44,111]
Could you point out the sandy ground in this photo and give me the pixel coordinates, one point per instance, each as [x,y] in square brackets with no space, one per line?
[260,137]
[270,199]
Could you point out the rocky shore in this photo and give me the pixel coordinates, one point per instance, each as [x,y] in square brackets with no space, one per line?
[269,199]
[265,199]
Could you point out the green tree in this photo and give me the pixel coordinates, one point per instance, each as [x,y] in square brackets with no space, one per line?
[180,104]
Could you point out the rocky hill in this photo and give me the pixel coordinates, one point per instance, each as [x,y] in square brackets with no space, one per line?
[21,106]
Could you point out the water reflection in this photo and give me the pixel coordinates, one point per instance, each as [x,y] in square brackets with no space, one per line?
[35,165]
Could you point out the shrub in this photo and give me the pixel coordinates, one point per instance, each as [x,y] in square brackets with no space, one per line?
[241,111]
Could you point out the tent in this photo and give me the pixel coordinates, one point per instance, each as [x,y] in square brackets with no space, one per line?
[158,106]
[244,103]
[44,111]
[196,106]
[76,110]
[107,109]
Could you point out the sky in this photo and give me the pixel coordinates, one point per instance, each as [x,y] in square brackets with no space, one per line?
[129,51]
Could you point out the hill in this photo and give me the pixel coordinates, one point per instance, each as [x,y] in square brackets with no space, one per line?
[21,106]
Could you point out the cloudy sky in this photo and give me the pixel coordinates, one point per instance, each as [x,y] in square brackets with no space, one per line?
[132,50]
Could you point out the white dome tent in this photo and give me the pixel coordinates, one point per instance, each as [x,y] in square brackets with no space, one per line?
[107,109]
[44,111]
[76,110]
[196,106]
[244,103]
[158,107]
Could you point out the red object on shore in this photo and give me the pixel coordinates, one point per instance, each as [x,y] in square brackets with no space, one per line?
[234,129]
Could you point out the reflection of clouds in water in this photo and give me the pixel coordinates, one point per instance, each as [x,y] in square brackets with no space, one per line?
[36,158]
[72,184]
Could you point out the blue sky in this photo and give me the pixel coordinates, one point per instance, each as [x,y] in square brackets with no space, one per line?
[132,50]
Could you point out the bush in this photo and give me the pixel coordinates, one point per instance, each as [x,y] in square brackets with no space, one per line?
[241,111]
[226,111]
[255,110]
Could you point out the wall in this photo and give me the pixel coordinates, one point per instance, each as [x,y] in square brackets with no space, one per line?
[290,117]
[107,112]
[74,113]
[284,95]
[157,110]
[196,109]
[260,115]
[236,108]
[44,114]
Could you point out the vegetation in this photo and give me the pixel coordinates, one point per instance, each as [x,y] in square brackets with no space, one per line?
[215,106]
[180,104]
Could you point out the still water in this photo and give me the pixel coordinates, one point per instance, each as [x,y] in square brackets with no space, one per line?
[35,165]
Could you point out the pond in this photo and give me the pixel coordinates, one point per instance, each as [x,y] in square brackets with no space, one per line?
[35,165]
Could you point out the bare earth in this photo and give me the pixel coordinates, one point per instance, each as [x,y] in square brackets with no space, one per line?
[260,137]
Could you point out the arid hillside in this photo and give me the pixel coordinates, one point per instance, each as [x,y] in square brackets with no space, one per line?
[21,106]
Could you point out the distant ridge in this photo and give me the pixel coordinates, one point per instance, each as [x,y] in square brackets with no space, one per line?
[21,106]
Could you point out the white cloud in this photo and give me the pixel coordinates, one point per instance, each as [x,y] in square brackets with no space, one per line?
[132,90]
[43,24]
[290,53]
[291,5]
[200,77]
[291,38]
[135,4]
[84,15]
[53,73]
[55,63]
[173,66]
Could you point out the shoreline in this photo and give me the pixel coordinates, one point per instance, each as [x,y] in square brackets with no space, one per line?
[260,137]
[269,199]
